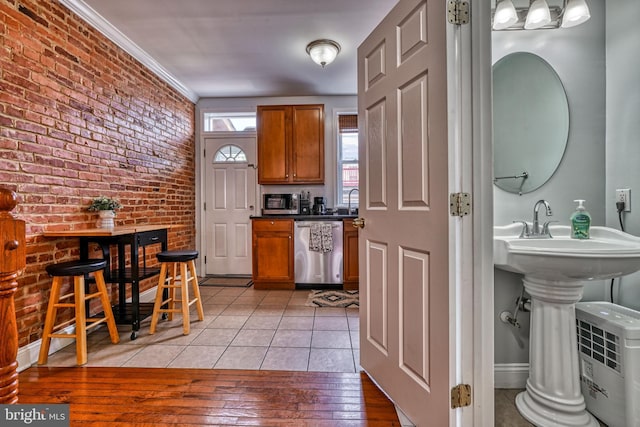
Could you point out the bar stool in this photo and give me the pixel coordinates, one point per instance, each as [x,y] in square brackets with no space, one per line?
[77,270]
[170,261]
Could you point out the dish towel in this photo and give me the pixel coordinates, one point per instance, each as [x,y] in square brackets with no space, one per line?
[321,238]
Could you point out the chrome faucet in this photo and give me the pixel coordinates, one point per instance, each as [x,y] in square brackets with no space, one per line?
[535,229]
[349,205]
[535,232]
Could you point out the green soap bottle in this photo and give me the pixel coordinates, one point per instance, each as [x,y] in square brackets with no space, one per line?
[580,222]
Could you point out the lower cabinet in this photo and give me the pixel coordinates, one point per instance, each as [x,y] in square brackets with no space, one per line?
[351,275]
[273,253]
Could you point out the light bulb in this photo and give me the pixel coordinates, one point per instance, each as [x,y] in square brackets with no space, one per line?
[575,13]
[538,15]
[505,15]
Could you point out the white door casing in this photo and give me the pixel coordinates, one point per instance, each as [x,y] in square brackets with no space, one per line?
[230,200]
[404,246]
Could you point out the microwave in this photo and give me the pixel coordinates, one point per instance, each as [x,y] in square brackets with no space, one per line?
[281,204]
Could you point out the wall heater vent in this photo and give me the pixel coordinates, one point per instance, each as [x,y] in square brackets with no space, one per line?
[609,353]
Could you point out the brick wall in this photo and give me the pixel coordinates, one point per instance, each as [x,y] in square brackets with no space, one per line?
[80,118]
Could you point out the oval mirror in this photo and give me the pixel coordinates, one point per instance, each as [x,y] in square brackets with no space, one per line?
[530,122]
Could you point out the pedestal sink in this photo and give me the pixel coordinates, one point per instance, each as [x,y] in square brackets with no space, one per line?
[554,271]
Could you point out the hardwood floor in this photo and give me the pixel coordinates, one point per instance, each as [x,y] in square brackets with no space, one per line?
[197,397]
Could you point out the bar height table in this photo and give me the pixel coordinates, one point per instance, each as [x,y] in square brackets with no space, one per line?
[136,237]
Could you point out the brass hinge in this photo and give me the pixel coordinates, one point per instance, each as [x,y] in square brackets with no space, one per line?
[460,204]
[458,12]
[460,396]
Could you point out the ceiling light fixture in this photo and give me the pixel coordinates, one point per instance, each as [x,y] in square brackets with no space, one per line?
[323,52]
[575,13]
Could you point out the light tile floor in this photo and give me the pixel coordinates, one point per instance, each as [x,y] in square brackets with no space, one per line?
[244,328]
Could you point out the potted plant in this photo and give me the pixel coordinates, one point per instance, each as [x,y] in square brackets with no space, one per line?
[106,208]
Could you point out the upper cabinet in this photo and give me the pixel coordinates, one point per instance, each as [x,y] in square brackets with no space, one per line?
[290,144]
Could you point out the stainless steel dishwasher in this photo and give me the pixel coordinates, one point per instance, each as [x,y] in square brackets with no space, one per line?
[314,267]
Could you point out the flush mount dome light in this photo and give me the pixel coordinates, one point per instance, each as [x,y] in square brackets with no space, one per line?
[323,51]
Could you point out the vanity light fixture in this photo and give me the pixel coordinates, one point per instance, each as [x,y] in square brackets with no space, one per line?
[539,14]
[575,13]
[505,15]
[323,52]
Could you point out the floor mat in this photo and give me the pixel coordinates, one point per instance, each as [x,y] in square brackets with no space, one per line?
[234,282]
[333,298]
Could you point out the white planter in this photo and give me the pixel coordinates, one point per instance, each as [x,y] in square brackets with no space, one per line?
[106,219]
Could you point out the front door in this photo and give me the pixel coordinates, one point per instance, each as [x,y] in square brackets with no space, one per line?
[230,200]
[404,245]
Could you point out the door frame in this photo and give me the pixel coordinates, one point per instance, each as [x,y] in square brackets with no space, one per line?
[471,170]
[200,225]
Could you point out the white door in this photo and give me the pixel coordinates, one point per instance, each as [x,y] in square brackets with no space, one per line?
[230,199]
[404,245]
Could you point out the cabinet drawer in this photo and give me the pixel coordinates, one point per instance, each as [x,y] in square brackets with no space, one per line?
[273,225]
[151,237]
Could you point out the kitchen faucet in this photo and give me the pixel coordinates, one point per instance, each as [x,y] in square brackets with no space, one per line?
[349,205]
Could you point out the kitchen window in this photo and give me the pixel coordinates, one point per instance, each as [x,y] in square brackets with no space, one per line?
[348,176]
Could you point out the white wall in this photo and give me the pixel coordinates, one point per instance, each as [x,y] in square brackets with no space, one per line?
[623,126]
[578,56]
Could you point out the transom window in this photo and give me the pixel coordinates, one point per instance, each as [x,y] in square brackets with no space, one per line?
[229,122]
[230,154]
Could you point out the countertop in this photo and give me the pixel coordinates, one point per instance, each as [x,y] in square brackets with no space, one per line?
[334,217]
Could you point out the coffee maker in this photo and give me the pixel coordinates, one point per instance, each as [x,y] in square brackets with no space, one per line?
[319,206]
[305,203]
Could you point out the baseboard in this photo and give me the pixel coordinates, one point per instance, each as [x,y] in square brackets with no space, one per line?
[28,355]
[511,375]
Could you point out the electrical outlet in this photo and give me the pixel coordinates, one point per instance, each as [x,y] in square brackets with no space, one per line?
[624,195]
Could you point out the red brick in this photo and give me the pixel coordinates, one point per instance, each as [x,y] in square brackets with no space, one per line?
[81,118]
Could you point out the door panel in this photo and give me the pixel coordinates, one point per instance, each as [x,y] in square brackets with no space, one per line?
[230,198]
[404,247]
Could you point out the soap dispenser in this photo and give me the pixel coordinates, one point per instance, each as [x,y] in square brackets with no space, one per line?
[580,222]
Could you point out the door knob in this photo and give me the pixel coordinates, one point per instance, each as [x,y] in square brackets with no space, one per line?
[358,223]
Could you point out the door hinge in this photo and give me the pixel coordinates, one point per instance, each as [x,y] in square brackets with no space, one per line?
[459,204]
[460,396]
[205,259]
[458,12]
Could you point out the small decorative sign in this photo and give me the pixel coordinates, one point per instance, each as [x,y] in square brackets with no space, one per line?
[49,415]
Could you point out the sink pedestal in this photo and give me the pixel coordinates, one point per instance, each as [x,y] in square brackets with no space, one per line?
[553,396]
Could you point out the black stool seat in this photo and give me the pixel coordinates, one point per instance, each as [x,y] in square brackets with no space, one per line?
[76,268]
[177,256]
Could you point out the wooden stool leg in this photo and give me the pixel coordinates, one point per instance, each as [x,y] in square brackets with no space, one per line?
[50,320]
[184,295]
[158,301]
[172,290]
[81,320]
[106,306]
[196,289]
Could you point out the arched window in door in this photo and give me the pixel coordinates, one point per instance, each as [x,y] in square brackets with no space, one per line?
[230,154]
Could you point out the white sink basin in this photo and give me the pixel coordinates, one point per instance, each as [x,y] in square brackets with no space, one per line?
[608,253]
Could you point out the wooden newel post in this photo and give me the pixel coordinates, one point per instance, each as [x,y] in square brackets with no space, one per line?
[12,262]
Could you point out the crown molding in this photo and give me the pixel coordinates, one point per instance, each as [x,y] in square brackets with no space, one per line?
[93,18]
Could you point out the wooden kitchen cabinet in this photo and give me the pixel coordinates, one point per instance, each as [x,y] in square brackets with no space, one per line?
[351,274]
[273,253]
[290,144]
